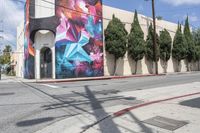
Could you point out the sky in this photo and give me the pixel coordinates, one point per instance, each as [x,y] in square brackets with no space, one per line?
[12,13]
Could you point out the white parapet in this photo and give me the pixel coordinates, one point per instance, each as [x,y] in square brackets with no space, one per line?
[44,8]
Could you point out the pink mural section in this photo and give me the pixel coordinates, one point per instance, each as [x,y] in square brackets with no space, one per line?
[79,39]
[29,51]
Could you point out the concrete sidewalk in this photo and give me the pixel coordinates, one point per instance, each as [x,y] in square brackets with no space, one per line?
[84,78]
[8,79]
[94,78]
[172,109]
[18,79]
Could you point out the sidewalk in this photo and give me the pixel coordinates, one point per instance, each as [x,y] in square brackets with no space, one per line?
[18,79]
[84,78]
[100,78]
[172,109]
[7,79]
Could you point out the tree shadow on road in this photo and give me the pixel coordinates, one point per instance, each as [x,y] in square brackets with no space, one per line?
[194,103]
[144,128]
[34,121]
[37,121]
[92,103]
[106,126]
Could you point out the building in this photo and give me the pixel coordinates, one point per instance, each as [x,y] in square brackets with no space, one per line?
[13,64]
[65,40]
[20,51]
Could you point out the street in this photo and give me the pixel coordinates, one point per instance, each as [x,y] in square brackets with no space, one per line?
[30,107]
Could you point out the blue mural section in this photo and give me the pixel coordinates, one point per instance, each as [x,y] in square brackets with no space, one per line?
[79,39]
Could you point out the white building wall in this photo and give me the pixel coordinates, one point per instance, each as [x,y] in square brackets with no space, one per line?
[45,8]
[44,38]
[20,50]
[126,66]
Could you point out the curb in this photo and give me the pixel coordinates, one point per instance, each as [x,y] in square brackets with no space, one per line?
[72,80]
[135,76]
[94,78]
[126,110]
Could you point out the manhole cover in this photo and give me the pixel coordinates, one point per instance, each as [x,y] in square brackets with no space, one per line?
[165,123]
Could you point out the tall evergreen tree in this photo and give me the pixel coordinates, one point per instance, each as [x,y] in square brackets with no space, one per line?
[197,55]
[136,43]
[150,46]
[179,51]
[165,47]
[190,44]
[196,37]
[116,39]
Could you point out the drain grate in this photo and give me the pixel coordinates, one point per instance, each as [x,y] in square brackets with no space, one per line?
[165,123]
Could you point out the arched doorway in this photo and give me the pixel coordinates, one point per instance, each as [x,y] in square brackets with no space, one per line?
[45,63]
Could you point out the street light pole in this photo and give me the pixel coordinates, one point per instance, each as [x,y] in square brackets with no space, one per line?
[155,38]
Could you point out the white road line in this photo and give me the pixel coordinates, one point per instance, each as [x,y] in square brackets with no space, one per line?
[52,86]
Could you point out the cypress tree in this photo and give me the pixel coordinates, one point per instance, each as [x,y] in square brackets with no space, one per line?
[197,55]
[150,47]
[196,38]
[116,39]
[190,44]
[179,51]
[136,43]
[165,47]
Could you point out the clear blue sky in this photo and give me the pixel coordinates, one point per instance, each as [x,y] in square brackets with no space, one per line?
[171,10]
[11,12]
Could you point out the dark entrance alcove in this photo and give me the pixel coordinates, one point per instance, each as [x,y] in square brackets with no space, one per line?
[45,63]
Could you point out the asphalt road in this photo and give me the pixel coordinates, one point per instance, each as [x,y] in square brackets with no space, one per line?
[28,107]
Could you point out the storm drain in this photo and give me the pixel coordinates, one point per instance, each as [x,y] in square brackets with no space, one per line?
[165,123]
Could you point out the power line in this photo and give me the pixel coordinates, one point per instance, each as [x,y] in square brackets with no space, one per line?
[80,12]
[161,11]
[72,9]
[67,9]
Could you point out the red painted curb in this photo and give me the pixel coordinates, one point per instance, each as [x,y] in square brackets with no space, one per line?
[124,111]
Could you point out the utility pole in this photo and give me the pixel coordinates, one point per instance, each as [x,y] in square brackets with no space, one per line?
[154,37]
[155,45]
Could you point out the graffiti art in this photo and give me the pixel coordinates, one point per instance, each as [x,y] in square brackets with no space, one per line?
[79,39]
[77,26]
[29,52]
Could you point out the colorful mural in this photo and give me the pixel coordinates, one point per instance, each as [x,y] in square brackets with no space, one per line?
[79,39]
[29,52]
